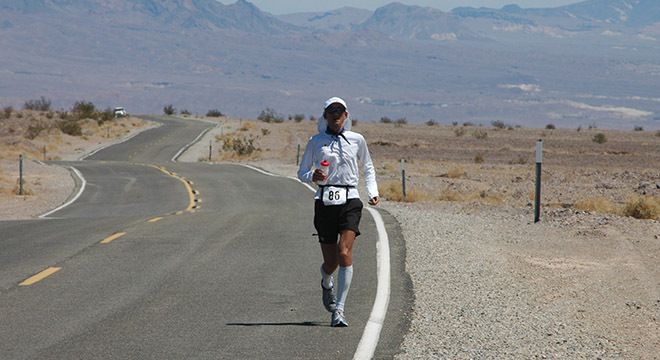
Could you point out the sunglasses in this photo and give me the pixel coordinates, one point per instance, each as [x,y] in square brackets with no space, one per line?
[338,109]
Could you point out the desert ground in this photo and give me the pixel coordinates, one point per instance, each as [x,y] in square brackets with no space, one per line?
[488,281]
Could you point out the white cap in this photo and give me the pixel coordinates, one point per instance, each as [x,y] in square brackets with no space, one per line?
[334,100]
[323,124]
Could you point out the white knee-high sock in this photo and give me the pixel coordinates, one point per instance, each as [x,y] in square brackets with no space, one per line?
[344,278]
[327,278]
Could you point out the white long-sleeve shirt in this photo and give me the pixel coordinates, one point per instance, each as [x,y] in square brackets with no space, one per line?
[343,153]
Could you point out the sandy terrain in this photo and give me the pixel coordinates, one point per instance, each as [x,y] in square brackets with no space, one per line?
[488,281]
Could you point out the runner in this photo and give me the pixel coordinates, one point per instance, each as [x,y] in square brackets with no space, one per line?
[337,206]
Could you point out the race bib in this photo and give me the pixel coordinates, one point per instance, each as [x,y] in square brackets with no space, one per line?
[333,195]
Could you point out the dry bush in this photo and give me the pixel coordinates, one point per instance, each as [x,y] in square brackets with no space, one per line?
[247,126]
[456,172]
[599,138]
[598,204]
[393,191]
[480,134]
[236,147]
[27,190]
[450,195]
[642,207]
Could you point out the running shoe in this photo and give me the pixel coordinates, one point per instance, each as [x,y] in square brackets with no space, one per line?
[329,299]
[338,319]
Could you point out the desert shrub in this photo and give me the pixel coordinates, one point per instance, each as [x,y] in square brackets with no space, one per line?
[27,190]
[468,124]
[599,138]
[454,123]
[70,127]
[431,122]
[657,133]
[354,121]
[599,204]
[393,191]
[6,112]
[401,121]
[300,117]
[312,118]
[479,158]
[456,172]
[642,207]
[498,124]
[480,134]
[40,104]
[459,132]
[169,109]
[579,128]
[247,126]
[269,115]
[450,195]
[550,127]
[106,115]
[385,120]
[214,113]
[239,146]
[84,110]
[35,128]
[265,132]
[638,128]
[184,112]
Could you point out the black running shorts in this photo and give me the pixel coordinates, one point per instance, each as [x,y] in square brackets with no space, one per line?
[330,221]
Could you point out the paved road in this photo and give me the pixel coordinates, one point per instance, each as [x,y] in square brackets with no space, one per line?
[164,260]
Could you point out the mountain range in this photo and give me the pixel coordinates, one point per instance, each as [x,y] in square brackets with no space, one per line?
[594,62]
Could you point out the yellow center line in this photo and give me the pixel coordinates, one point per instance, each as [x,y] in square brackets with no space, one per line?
[110,238]
[191,195]
[156,219]
[40,276]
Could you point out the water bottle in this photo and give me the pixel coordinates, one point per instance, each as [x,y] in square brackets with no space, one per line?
[325,166]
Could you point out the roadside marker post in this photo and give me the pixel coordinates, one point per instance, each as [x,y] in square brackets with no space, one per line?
[210,149]
[403,178]
[537,195]
[298,154]
[20,174]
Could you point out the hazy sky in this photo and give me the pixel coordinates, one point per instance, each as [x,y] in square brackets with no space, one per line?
[279,7]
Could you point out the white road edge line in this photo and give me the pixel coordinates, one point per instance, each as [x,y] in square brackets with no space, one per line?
[371,334]
[80,191]
[185,147]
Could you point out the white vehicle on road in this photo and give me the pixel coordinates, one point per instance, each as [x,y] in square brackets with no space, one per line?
[119,111]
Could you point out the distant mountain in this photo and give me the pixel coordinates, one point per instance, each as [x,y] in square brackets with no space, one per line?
[199,14]
[404,22]
[538,66]
[344,18]
[632,13]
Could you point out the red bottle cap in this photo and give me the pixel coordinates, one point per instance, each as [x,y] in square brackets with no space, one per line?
[325,163]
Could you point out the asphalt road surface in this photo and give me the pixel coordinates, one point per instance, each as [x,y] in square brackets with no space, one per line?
[157,259]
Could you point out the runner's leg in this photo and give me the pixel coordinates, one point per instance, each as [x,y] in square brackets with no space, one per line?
[345,275]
